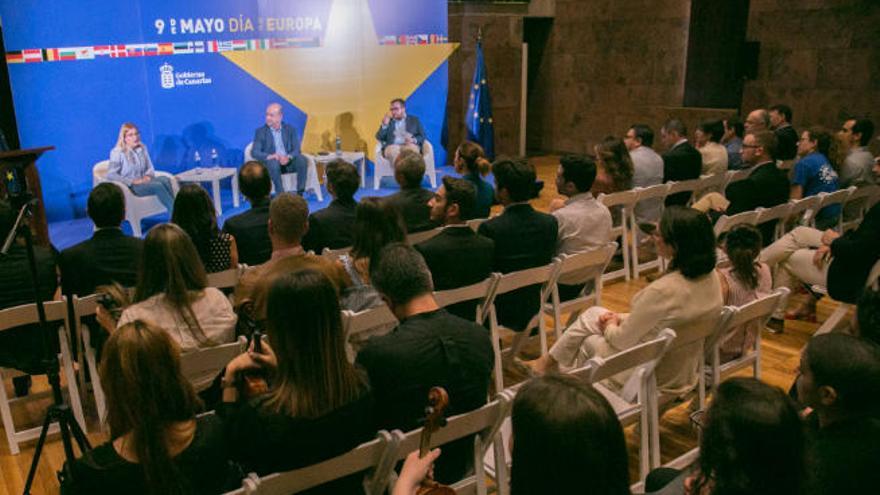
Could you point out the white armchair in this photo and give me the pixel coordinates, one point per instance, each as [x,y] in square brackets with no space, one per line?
[289,180]
[136,207]
[383,167]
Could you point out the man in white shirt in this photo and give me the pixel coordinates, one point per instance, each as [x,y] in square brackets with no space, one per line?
[647,169]
[584,223]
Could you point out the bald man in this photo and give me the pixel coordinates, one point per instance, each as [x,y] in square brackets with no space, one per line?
[276,145]
[758,120]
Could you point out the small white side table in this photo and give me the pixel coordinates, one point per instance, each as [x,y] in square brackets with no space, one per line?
[357,158]
[214,176]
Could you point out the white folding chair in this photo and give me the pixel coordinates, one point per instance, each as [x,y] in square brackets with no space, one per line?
[843,308]
[136,207]
[780,213]
[413,239]
[736,176]
[484,424]
[201,365]
[288,180]
[587,266]
[650,194]
[857,205]
[227,279]
[484,291]
[836,198]
[26,314]
[685,186]
[335,254]
[802,211]
[711,183]
[545,276]
[626,200]
[384,168]
[735,319]
[633,403]
[725,223]
[83,307]
[376,457]
[475,223]
[360,326]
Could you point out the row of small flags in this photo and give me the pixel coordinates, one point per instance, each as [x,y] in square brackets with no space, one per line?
[154,49]
[414,39]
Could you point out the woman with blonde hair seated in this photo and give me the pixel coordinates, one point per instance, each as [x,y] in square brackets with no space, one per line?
[158,445]
[130,164]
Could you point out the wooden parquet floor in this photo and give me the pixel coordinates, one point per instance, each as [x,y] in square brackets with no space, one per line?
[780,360]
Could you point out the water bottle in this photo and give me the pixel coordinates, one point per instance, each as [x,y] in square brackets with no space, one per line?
[338,146]
[198,160]
[214,155]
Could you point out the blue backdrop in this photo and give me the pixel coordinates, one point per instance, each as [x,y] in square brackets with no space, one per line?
[72,86]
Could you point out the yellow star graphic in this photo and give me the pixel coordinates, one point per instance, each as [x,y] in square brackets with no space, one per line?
[344,86]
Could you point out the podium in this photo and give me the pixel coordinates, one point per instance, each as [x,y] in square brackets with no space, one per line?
[23,163]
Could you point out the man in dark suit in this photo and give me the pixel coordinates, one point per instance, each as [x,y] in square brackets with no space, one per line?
[276,145]
[766,186]
[524,238]
[412,200]
[430,348]
[786,135]
[681,160]
[251,228]
[109,256]
[400,131]
[332,227]
[457,256]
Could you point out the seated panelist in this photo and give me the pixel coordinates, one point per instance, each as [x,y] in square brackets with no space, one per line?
[276,145]
[130,164]
[400,131]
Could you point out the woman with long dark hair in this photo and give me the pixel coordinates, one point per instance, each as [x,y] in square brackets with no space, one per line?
[744,281]
[172,292]
[471,162]
[157,445]
[687,298]
[194,213]
[615,171]
[318,405]
[566,439]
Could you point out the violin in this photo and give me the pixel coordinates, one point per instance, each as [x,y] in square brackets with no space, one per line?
[438,399]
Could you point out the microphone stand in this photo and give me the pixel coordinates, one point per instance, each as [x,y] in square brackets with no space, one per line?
[59,411]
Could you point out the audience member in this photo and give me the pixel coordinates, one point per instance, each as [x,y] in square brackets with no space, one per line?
[758,120]
[400,131]
[429,348]
[686,299]
[524,238]
[840,382]
[172,293]
[276,145]
[377,224]
[158,444]
[565,417]
[332,227]
[841,263]
[752,442]
[130,164]
[745,280]
[251,228]
[457,256]
[867,317]
[584,223]
[732,141]
[815,173]
[197,217]
[681,160]
[714,155]
[857,168]
[109,255]
[318,406]
[21,348]
[412,199]
[470,161]
[614,170]
[647,169]
[786,136]
[288,223]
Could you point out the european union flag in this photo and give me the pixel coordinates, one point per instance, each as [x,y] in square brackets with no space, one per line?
[480,127]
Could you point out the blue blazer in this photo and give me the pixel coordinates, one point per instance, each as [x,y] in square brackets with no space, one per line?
[264,143]
[385,134]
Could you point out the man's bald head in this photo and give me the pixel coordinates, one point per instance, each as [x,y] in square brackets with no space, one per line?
[274,115]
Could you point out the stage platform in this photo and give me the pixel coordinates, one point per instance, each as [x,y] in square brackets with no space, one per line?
[67,233]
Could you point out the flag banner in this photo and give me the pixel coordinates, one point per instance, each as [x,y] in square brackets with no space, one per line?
[479,123]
